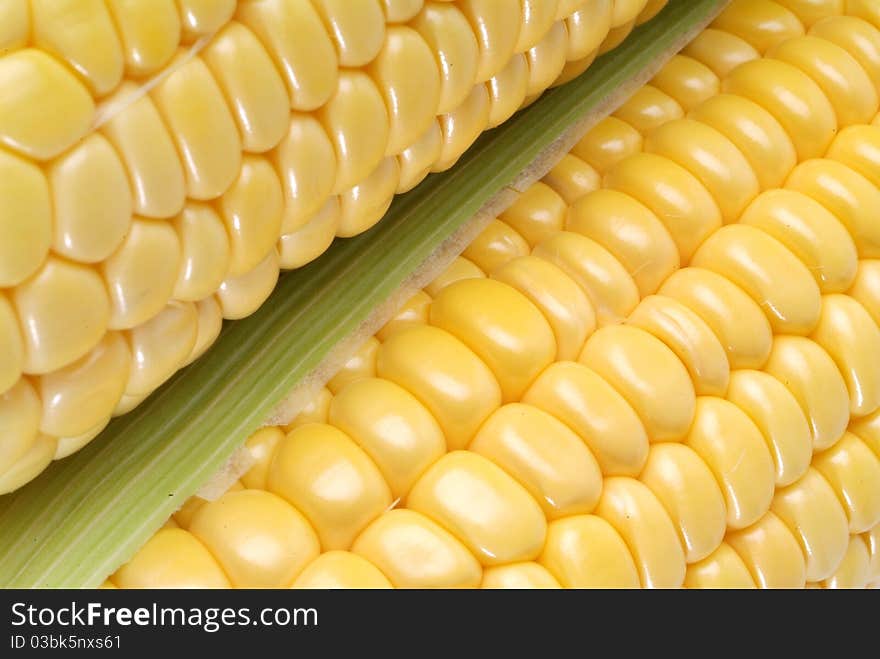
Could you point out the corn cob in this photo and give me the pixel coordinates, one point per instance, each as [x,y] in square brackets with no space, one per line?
[649,371]
[162,161]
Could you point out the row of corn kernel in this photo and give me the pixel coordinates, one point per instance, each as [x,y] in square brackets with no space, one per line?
[228,244]
[814,483]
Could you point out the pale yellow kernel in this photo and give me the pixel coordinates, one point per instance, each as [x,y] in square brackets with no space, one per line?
[363,205]
[29,464]
[392,427]
[310,240]
[460,268]
[496,24]
[362,364]
[142,141]
[507,90]
[149,247]
[415,552]
[315,411]
[20,411]
[723,568]
[687,80]
[332,481]
[602,418]
[45,108]
[732,446]
[204,247]
[14,25]
[413,312]
[341,569]
[200,17]
[584,551]
[546,59]
[417,158]
[518,576]
[496,245]
[25,218]
[193,107]
[242,296]
[442,372]
[607,143]
[858,37]
[173,558]
[537,18]
[854,569]
[572,178]
[771,553]
[259,103]
[461,127]
[356,26]
[858,147]
[63,311]
[210,322]
[257,538]
[760,22]
[160,346]
[149,31]
[587,27]
[492,514]
[83,394]
[292,33]
[720,51]
[853,472]
[648,108]
[83,35]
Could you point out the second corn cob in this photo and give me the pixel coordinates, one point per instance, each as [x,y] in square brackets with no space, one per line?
[719,427]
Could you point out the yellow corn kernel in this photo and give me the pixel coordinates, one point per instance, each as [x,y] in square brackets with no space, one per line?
[150,33]
[407,76]
[45,108]
[585,551]
[853,471]
[19,422]
[689,337]
[858,37]
[496,24]
[611,290]
[840,77]
[150,246]
[811,375]
[332,481]
[83,394]
[607,143]
[686,80]
[356,103]
[29,464]
[501,326]
[546,59]
[11,347]
[811,232]
[417,159]
[810,510]
[536,214]
[544,456]
[615,37]
[415,552]
[63,312]
[259,102]
[763,267]
[362,364]
[356,28]
[602,418]
[872,541]
[310,240]
[173,558]
[792,97]
[686,487]
[155,172]
[209,324]
[492,514]
[315,411]
[257,538]
[497,244]
[392,427]
[460,268]
[780,419]
[537,17]
[755,132]
[507,90]
[712,158]
[241,296]
[721,51]
[204,247]
[25,219]
[723,568]
[564,305]
[413,312]
[736,319]
[261,446]
[442,372]
[854,569]
[628,230]
[91,202]
[200,17]
[341,569]
[401,11]
[160,346]
[847,333]
[648,374]
[648,108]
[734,449]
[771,553]
[673,194]
[300,47]
[518,576]
[638,516]
[15,24]
[760,22]
[462,126]
[572,178]
[858,147]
